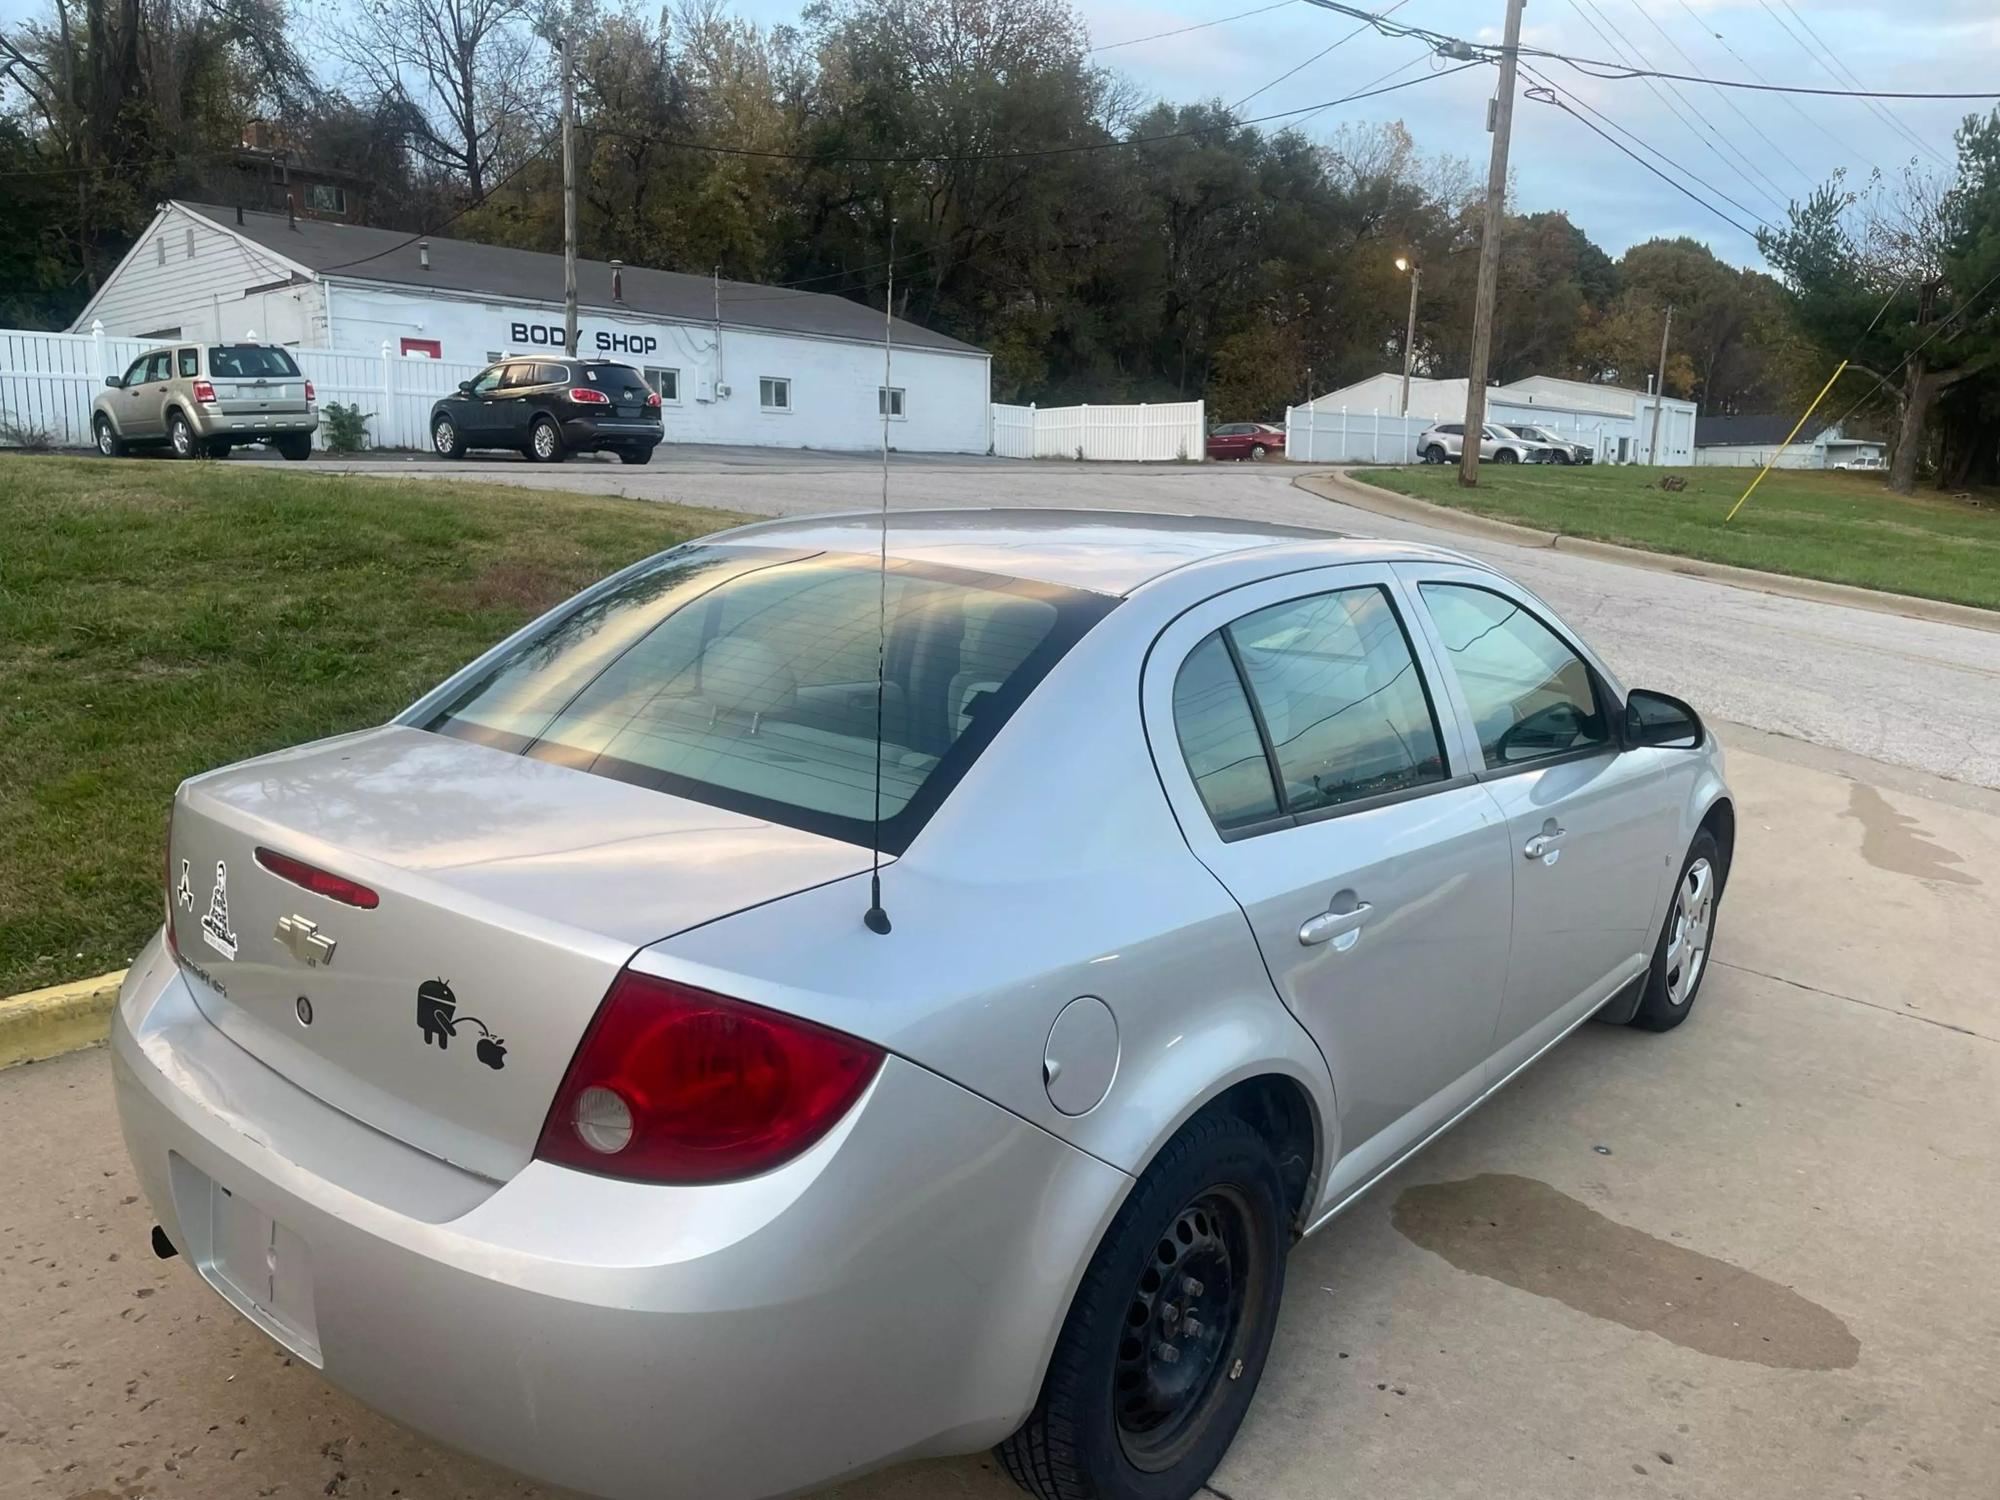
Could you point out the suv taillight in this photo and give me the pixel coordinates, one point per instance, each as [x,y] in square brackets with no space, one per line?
[653,399]
[204,392]
[677,1085]
[585,396]
[310,396]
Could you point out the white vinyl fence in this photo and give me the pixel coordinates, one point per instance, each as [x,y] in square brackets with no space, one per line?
[48,381]
[1336,435]
[1132,434]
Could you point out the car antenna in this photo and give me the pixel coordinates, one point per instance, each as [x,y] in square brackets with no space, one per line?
[876,918]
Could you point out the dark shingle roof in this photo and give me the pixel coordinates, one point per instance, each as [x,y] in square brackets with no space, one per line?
[357,252]
[1765,430]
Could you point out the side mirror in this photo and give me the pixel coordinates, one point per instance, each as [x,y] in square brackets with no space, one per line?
[1549,730]
[1656,719]
[465,388]
[116,382]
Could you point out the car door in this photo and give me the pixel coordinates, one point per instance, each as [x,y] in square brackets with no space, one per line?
[510,407]
[127,405]
[149,418]
[474,409]
[1314,773]
[1590,823]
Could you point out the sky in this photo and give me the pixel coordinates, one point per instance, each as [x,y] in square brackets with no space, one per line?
[1755,149]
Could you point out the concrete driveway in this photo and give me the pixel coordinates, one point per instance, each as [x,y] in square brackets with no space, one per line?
[1750,1258]
[1908,692]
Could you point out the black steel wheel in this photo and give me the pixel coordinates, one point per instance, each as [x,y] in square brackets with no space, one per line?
[1169,1331]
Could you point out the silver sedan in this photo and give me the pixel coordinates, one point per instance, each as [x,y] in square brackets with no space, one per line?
[779,1014]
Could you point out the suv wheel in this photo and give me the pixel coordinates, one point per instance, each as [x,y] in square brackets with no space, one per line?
[1167,1337]
[1434,454]
[545,441]
[295,446]
[180,436]
[447,439]
[635,455]
[108,442]
[1506,456]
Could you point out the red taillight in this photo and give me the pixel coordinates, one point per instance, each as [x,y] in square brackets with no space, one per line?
[321,882]
[653,398]
[309,391]
[585,396]
[204,392]
[677,1085]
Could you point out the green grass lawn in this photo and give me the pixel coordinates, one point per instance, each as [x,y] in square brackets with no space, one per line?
[160,619]
[1846,528]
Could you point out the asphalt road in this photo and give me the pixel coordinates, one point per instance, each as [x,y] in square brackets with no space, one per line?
[1749,1258]
[1908,692]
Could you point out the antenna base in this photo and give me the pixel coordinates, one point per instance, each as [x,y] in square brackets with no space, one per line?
[876,920]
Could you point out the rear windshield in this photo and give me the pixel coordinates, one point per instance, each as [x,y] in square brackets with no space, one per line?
[745,677]
[618,379]
[249,362]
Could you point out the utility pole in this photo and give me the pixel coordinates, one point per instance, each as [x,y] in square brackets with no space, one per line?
[1489,249]
[569,197]
[1404,263]
[1660,386]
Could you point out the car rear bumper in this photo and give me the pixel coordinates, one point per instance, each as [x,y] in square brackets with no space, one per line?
[252,426]
[892,1293]
[581,434]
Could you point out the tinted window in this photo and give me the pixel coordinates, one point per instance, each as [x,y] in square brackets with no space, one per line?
[1341,698]
[517,376]
[620,382]
[1219,738]
[135,374]
[1530,695]
[189,367]
[159,366]
[1453,429]
[551,374]
[745,677]
[488,380]
[250,362]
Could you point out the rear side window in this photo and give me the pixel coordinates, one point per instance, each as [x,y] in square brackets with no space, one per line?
[1530,695]
[551,374]
[250,362]
[1218,735]
[745,677]
[189,367]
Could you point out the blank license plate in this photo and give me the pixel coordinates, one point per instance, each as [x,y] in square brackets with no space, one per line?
[262,1267]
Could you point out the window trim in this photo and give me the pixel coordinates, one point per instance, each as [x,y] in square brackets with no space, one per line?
[786,382]
[902,400]
[647,371]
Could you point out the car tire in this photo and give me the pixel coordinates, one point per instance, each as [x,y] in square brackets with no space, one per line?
[215,448]
[109,443]
[635,455]
[545,444]
[1258,453]
[1563,458]
[1506,456]
[1434,454]
[1687,938]
[1117,1418]
[446,439]
[181,441]
[295,447]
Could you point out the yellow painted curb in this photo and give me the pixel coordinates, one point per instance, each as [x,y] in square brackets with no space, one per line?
[62,1018]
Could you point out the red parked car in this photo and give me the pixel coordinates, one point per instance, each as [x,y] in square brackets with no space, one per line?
[1246,440]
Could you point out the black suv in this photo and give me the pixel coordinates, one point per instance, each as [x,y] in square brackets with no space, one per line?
[550,408]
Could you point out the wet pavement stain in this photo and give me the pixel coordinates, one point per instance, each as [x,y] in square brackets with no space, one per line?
[1895,841]
[1524,1233]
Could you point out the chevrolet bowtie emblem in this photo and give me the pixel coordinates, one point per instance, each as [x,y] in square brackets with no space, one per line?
[305,941]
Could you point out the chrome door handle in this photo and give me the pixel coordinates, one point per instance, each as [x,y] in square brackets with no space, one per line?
[1543,844]
[1334,924]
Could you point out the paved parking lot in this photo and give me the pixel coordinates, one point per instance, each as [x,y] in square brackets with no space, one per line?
[1749,1258]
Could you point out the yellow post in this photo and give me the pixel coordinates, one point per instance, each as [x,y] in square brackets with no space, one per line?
[1786,444]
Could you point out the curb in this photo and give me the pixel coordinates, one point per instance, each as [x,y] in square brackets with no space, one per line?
[1339,487]
[63,1018]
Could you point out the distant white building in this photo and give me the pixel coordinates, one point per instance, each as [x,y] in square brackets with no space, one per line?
[734,362]
[1615,421]
[1750,442]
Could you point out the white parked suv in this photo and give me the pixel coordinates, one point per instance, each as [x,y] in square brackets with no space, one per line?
[1502,445]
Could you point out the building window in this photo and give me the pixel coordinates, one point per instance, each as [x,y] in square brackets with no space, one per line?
[666,382]
[774,393]
[494,356]
[325,198]
[190,241]
[160,251]
[889,401]
[422,349]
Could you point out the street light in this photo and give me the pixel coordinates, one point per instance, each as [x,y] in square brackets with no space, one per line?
[1416,274]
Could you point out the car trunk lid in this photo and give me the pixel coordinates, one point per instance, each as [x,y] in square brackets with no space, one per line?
[509,893]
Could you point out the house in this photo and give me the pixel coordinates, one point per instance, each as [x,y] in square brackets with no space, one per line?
[734,362]
[1753,441]
[1614,420]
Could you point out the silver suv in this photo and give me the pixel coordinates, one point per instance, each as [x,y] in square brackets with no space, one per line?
[1563,450]
[1500,445]
[201,400]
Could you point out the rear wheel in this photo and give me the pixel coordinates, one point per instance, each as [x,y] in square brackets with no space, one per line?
[1167,1337]
[295,446]
[1434,454]
[447,439]
[1680,959]
[180,436]
[545,441]
[1258,453]
[109,443]
[1506,456]
[635,455]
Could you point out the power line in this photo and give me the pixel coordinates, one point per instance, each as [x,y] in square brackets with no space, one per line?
[1838,70]
[519,167]
[1301,124]
[1329,47]
[1241,15]
[1735,108]
[1943,323]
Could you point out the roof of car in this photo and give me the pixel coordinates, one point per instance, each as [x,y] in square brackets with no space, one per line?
[1106,552]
